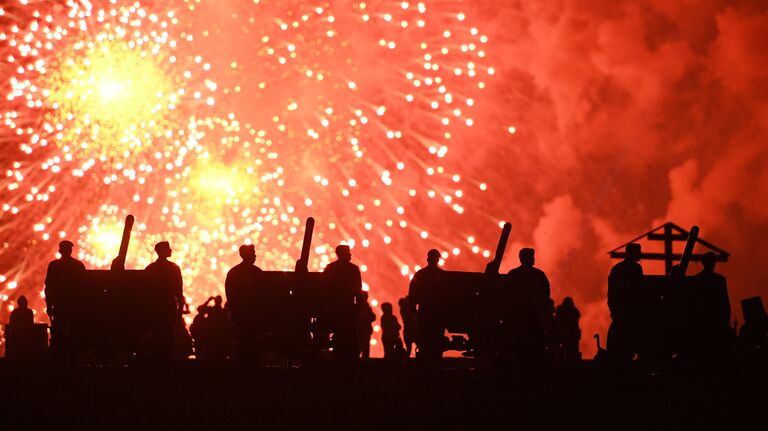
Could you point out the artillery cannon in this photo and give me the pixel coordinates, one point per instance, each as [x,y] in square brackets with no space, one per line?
[109,313]
[494,310]
[283,311]
[671,307]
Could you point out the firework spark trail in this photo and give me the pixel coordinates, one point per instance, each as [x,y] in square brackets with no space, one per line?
[359,103]
[346,112]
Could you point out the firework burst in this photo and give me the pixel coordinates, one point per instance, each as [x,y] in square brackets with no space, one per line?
[218,123]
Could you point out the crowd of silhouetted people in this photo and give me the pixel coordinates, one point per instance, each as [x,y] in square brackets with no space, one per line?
[265,318]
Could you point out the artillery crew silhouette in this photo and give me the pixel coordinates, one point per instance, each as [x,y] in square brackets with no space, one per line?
[625,284]
[250,332]
[424,299]
[166,301]
[62,287]
[661,319]
[278,317]
[344,294]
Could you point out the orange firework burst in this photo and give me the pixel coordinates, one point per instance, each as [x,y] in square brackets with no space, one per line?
[218,123]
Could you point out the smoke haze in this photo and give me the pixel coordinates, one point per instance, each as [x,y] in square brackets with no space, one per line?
[627,115]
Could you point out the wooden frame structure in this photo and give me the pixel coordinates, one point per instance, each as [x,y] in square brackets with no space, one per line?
[669,233]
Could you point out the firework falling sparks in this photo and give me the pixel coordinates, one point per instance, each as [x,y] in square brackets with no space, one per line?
[218,124]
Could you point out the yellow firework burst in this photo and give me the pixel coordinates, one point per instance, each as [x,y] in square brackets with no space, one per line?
[114,98]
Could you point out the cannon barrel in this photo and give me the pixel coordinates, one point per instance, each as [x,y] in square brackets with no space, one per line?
[302,265]
[693,235]
[493,266]
[119,261]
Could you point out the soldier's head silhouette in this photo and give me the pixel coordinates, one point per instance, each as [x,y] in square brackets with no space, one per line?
[433,257]
[527,256]
[386,308]
[65,248]
[709,261]
[217,300]
[633,252]
[22,301]
[568,302]
[343,253]
[163,249]
[248,253]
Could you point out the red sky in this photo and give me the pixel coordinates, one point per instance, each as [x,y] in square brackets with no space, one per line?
[628,114]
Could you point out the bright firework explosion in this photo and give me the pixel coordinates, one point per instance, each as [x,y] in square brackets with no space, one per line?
[345,112]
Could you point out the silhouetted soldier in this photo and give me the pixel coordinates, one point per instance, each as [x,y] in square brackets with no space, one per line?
[551,334]
[62,285]
[529,275]
[182,340]
[424,300]
[390,333]
[167,299]
[250,331]
[529,339]
[22,315]
[345,288]
[365,319]
[567,328]
[221,329]
[409,324]
[624,290]
[753,334]
[25,341]
[210,331]
[714,311]
[200,332]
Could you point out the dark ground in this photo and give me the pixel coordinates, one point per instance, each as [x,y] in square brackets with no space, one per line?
[374,395]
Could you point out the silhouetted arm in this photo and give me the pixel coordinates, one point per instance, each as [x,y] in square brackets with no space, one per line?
[50,289]
[228,285]
[413,290]
[178,289]
[357,283]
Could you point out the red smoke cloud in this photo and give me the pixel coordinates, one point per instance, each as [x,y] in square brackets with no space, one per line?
[628,114]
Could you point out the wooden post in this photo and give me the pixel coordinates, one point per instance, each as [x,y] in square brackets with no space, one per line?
[668,250]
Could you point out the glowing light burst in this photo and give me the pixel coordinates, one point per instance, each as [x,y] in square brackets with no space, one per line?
[111,99]
[350,109]
[222,122]
[98,99]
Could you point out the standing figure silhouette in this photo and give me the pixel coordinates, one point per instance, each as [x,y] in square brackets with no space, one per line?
[167,301]
[345,291]
[529,344]
[62,285]
[624,291]
[424,301]
[250,332]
